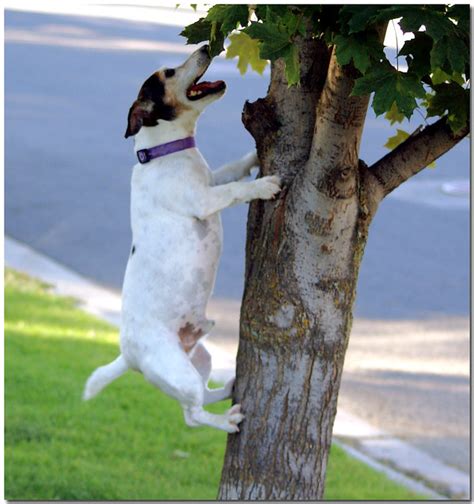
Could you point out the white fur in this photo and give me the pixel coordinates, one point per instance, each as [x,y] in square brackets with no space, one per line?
[177,235]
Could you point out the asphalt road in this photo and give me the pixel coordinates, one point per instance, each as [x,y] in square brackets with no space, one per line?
[68,167]
[69,82]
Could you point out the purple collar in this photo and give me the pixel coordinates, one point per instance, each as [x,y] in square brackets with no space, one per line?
[146,155]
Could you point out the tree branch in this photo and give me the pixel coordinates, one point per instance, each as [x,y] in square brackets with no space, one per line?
[340,118]
[338,129]
[414,154]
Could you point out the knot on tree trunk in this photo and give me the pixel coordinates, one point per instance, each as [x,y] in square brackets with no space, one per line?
[260,120]
[339,182]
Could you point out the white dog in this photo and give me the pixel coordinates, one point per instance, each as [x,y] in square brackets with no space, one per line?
[177,242]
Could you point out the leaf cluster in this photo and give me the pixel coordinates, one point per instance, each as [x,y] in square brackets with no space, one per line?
[436,61]
[265,33]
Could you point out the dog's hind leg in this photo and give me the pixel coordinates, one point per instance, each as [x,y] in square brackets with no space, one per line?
[202,361]
[103,375]
[219,394]
[173,372]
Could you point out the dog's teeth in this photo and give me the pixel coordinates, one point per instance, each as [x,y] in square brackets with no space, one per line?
[195,93]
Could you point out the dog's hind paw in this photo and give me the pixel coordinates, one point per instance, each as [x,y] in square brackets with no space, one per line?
[234,417]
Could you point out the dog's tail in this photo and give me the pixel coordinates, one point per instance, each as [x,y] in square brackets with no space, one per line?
[104,375]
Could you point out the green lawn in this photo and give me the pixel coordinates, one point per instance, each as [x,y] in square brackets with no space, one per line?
[130,443]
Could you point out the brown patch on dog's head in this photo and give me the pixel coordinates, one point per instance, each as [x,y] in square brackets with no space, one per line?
[155,101]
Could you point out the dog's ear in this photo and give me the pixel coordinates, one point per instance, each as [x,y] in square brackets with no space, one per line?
[147,113]
[140,113]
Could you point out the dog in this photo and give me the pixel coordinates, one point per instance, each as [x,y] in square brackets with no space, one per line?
[177,242]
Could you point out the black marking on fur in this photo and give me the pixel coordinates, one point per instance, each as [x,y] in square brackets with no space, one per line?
[149,106]
[133,250]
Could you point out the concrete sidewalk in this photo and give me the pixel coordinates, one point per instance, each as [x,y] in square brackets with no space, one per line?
[397,459]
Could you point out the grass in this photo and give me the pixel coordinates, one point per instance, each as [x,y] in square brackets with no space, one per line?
[131,442]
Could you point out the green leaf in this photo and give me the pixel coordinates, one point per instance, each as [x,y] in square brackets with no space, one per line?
[460,13]
[393,115]
[390,86]
[348,49]
[276,43]
[451,100]
[293,23]
[203,30]
[417,52]
[288,18]
[456,77]
[274,40]
[229,16]
[216,40]
[432,17]
[451,54]
[362,49]
[247,50]
[292,65]
[212,36]
[439,77]
[397,139]
[197,32]
[436,23]
[358,17]
[271,13]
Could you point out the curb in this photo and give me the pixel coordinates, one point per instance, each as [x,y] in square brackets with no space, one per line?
[393,475]
[376,448]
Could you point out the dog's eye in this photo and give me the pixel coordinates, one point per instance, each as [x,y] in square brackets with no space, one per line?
[169,73]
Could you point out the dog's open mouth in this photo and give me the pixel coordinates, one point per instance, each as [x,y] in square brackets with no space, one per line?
[199,90]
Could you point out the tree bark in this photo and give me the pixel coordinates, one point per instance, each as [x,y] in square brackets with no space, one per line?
[302,260]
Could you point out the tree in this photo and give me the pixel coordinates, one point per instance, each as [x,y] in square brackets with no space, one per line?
[304,249]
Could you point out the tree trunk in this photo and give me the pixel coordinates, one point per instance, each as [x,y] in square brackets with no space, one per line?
[303,255]
[302,260]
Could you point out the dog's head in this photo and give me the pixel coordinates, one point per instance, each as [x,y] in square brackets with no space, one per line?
[172,93]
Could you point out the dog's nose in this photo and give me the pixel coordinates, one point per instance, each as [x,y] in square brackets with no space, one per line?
[205,49]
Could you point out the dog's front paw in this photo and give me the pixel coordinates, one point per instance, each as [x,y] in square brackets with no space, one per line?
[234,417]
[268,187]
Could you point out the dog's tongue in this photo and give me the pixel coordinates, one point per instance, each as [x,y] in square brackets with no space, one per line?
[206,86]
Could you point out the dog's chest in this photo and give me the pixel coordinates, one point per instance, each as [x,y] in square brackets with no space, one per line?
[166,187]
[171,270]
[161,200]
